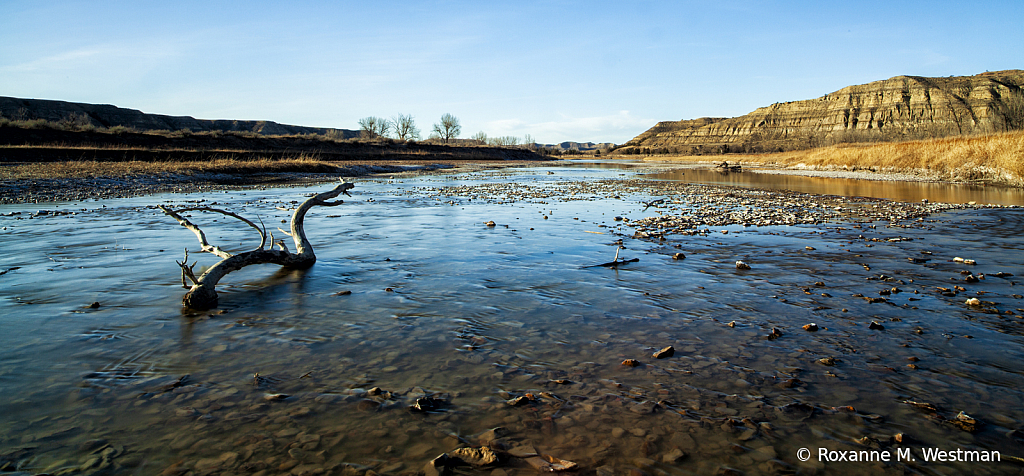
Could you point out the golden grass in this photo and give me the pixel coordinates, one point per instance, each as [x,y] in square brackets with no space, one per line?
[994,158]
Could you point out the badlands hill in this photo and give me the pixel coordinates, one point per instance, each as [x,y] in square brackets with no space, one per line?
[106,115]
[895,109]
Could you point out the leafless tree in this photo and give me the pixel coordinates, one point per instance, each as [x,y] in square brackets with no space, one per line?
[480,137]
[505,141]
[404,127]
[529,141]
[202,294]
[373,127]
[448,129]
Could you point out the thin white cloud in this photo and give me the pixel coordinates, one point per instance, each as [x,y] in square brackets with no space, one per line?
[64,60]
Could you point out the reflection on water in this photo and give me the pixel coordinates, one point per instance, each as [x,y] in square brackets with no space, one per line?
[289,376]
[891,190]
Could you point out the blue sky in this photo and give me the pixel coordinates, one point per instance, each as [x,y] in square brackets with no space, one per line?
[557,70]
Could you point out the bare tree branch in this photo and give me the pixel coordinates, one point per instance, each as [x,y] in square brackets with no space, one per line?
[448,129]
[203,294]
[404,127]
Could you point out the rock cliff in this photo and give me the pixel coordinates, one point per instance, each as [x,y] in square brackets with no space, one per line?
[106,115]
[899,108]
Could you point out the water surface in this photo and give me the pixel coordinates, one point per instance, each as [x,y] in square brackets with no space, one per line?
[473,316]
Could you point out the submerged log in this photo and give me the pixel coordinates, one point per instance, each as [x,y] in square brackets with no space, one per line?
[203,295]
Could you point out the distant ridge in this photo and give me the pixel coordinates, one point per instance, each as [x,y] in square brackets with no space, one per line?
[106,115]
[895,109]
[580,146]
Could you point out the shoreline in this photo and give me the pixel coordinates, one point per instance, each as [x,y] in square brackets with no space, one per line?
[70,189]
[860,174]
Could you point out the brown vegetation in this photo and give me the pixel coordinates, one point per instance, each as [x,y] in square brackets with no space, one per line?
[993,158]
[42,149]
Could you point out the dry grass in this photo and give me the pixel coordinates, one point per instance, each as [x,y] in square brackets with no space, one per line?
[92,168]
[994,158]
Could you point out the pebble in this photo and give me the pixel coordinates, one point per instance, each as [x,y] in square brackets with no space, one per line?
[742,265]
[665,353]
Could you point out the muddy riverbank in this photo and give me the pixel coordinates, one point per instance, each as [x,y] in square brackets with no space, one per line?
[69,189]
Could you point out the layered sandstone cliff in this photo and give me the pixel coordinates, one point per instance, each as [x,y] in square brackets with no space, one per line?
[899,108]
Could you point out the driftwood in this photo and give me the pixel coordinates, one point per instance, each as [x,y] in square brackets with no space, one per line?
[202,295]
[615,262]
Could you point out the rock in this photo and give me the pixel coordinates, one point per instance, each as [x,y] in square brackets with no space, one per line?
[274,397]
[493,434]
[812,327]
[742,265]
[618,432]
[790,383]
[343,293]
[428,404]
[551,464]
[631,363]
[644,408]
[678,256]
[665,353]
[519,401]
[439,466]
[877,326]
[490,223]
[99,443]
[523,451]
[482,456]
[809,248]
[775,333]
[973,302]
[94,305]
[673,456]
[829,361]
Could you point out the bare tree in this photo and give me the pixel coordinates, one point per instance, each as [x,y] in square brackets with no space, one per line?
[404,127]
[448,129]
[480,137]
[373,127]
[528,141]
[505,141]
[202,295]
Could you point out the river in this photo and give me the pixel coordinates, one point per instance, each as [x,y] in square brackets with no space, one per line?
[414,299]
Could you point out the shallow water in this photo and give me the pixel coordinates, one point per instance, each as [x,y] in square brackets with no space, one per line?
[887,189]
[442,305]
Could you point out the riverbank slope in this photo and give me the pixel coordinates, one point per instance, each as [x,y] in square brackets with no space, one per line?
[992,159]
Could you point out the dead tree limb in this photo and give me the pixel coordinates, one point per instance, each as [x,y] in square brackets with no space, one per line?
[203,294]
